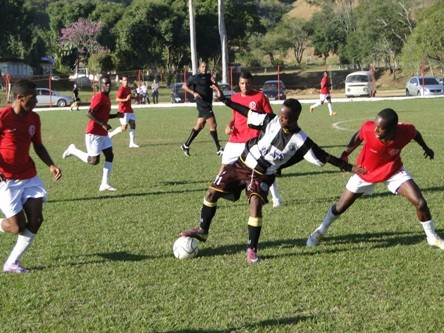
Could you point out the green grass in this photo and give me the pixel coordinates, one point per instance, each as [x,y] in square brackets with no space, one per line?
[102,262]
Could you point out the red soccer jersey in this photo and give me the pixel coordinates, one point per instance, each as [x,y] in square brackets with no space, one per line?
[101,106]
[123,92]
[325,85]
[16,135]
[255,101]
[382,160]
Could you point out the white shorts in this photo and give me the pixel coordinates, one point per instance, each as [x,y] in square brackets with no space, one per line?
[14,193]
[232,151]
[96,143]
[127,116]
[324,97]
[357,185]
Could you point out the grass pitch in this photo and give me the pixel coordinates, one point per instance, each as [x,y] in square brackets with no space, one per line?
[103,262]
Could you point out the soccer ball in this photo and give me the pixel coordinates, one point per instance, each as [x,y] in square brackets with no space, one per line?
[185,248]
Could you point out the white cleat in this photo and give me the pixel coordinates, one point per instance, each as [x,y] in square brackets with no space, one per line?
[106,187]
[133,145]
[68,152]
[314,238]
[436,241]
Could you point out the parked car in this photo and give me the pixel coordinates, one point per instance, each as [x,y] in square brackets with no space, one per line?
[51,97]
[226,89]
[416,86]
[359,84]
[274,89]
[178,94]
[441,80]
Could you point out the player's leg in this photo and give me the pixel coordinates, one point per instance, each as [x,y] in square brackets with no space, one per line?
[354,189]
[275,196]
[410,190]
[107,168]
[213,132]
[254,228]
[200,124]
[329,105]
[132,132]
[123,125]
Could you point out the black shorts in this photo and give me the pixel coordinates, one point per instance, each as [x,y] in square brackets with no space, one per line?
[236,177]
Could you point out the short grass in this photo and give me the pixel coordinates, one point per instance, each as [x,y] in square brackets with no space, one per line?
[102,262]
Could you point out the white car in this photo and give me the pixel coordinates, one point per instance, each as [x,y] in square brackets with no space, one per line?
[51,97]
[423,86]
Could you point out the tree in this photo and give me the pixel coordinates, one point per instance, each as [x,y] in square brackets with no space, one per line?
[295,35]
[426,43]
[82,36]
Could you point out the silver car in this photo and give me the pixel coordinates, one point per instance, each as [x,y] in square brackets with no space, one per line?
[51,97]
[423,86]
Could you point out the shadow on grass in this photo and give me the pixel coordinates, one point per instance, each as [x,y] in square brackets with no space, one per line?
[328,245]
[264,324]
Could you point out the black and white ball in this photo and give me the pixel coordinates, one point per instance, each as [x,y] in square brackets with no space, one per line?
[185,248]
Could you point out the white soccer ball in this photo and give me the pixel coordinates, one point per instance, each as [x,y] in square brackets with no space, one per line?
[185,248]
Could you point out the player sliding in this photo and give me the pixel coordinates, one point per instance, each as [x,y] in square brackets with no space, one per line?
[381,157]
[281,143]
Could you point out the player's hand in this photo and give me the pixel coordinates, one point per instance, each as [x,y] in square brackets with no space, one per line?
[106,127]
[2,177]
[357,169]
[429,153]
[56,172]
[228,129]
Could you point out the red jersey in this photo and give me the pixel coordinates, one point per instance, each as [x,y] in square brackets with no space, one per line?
[382,160]
[256,101]
[123,92]
[325,85]
[17,132]
[101,107]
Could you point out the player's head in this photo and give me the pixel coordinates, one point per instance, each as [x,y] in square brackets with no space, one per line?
[245,82]
[289,115]
[125,80]
[25,95]
[386,122]
[105,84]
[326,74]
[203,67]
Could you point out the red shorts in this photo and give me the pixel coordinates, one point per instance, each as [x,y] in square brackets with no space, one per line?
[236,177]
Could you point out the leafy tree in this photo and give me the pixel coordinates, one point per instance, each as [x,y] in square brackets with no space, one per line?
[426,43]
[295,35]
[16,28]
[82,36]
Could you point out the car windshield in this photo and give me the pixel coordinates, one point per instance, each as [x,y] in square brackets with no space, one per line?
[357,78]
[428,81]
[272,86]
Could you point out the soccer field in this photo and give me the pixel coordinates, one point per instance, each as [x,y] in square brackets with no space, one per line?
[103,262]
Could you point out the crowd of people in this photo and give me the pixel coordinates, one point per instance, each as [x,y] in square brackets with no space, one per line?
[260,144]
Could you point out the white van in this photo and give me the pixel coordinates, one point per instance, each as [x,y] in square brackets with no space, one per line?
[359,84]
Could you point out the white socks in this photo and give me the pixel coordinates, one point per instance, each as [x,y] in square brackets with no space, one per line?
[116,131]
[107,166]
[1,229]
[330,109]
[429,229]
[328,219]
[274,190]
[132,135]
[80,154]
[24,241]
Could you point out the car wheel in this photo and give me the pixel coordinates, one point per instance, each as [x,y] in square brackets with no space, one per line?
[418,93]
[407,92]
[61,103]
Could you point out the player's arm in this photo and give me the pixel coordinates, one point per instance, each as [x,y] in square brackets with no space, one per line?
[427,151]
[43,154]
[190,90]
[93,117]
[355,141]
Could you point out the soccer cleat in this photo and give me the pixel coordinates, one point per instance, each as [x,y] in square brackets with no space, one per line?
[252,257]
[314,238]
[333,114]
[436,241]
[185,149]
[133,145]
[68,151]
[277,202]
[220,152]
[197,232]
[106,187]
[311,109]
[14,268]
